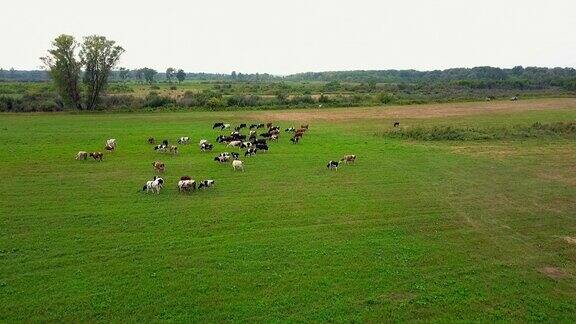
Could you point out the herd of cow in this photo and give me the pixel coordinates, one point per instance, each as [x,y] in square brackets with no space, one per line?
[251,143]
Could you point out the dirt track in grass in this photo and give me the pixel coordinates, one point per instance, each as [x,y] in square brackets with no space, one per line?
[417,111]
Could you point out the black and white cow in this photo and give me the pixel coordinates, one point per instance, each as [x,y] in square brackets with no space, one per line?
[154,185]
[206,147]
[235,156]
[333,165]
[259,141]
[206,184]
[217,125]
[222,158]
[251,151]
[263,147]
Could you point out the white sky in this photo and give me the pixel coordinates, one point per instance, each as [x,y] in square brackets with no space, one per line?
[289,36]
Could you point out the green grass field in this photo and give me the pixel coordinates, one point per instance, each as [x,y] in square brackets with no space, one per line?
[442,230]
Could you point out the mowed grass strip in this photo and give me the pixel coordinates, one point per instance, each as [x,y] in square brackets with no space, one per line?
[412,231]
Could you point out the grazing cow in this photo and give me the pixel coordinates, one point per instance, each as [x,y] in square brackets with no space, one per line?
[184,140]
[515,98]
[151,140]
[304,126]
[259,140]
[173,149]
[295,139]
[206,184]
[225,126]
[238,165]
[109,148]
[246,144]
[202,141]
[186,185]
[154,185]
[234,143]
[111,142]
[251,151]
[274,137]
[206,147]
[97,156]
[396,124]
[260,125]
[159,166]
[253,126]
[81,155]
[222,158]
[242,125]
[290,129]
[348,158]
[217,125]
[161,147]
[333,165]
[235,156]
[262,147]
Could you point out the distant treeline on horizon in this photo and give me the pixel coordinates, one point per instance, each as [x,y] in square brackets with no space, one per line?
[478,76]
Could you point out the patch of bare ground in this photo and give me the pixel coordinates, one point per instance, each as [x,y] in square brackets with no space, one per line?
[416,111]
[553,272]
[401,296]
[565,175]
[570,240]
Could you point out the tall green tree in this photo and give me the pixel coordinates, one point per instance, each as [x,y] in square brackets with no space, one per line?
[170,74]
[180,75]
[123,73]
[99,56]
[149,74]
[139,74]
[64,69]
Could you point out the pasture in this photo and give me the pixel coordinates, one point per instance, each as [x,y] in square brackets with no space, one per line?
[414,230]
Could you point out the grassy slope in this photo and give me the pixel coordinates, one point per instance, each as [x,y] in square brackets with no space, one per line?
[413,231]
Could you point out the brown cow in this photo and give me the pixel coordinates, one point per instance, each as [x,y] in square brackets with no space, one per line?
[97,156]
[348,158]
[159,166]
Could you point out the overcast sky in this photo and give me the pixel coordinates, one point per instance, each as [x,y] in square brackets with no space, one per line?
[283,37]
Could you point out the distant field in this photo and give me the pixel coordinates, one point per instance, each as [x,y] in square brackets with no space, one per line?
[439,230]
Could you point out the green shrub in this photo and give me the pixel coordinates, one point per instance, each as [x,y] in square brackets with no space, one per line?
[452,133]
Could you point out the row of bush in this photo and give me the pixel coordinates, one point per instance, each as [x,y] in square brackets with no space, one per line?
[454,133]
[40,97]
